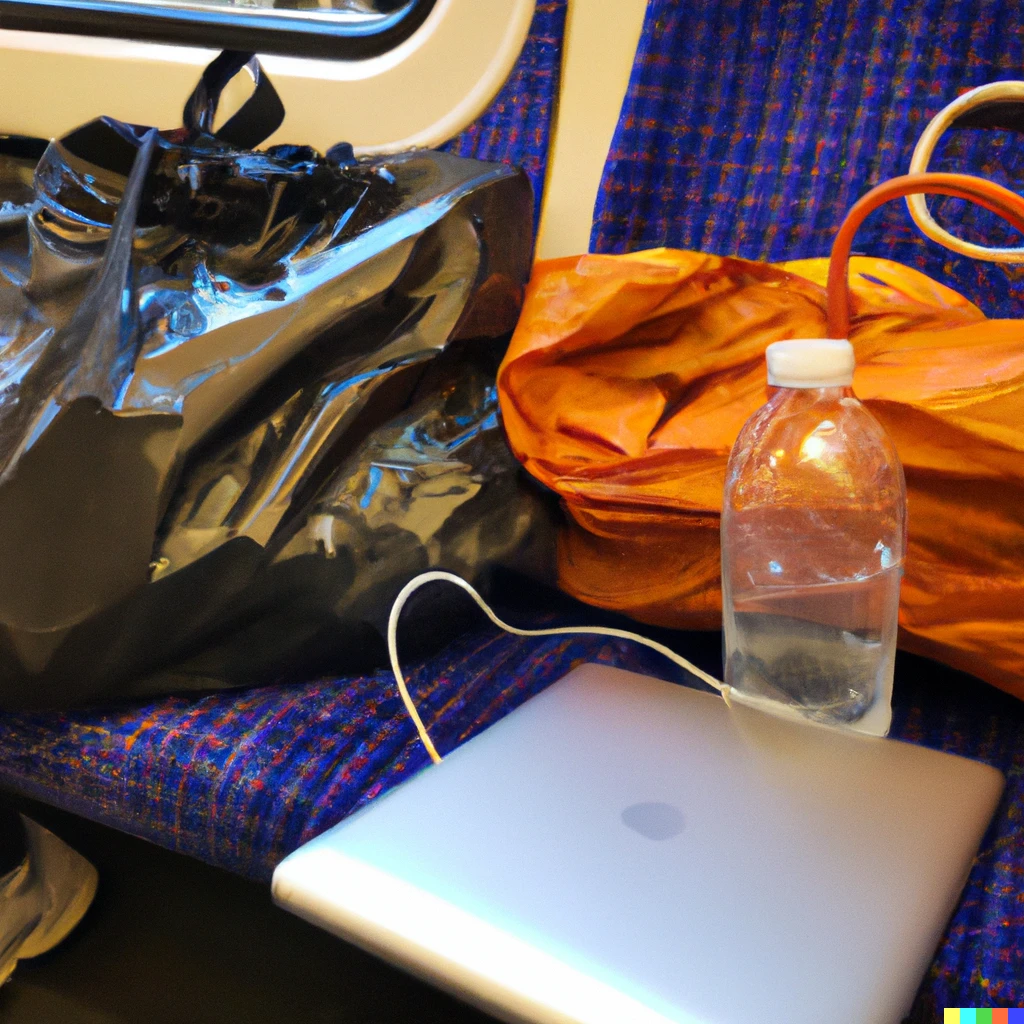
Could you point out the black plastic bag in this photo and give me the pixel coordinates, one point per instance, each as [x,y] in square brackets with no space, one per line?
[243,396]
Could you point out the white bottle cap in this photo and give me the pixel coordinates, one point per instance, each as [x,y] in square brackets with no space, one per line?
[810,363]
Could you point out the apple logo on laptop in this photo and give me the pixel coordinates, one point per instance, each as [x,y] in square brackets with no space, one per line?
[657,821]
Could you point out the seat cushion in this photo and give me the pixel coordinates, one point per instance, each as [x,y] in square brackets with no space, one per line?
[240,779]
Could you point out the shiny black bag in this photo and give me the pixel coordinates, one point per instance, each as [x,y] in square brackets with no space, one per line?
[244,396]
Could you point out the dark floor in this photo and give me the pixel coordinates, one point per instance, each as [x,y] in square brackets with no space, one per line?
[172,941]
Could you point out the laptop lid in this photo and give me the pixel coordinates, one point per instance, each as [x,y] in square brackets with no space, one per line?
[625,849]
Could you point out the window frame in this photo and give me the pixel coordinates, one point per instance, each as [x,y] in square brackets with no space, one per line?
[288,32]
[418,95]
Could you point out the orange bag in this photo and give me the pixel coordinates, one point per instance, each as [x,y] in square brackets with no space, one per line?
[629,377]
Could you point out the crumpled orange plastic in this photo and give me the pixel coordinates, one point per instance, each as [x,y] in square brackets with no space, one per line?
[629,377]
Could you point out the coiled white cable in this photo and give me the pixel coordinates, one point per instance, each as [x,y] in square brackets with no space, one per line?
[994,92]
[438,576]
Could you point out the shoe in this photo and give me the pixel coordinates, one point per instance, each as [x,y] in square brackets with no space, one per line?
[43,898]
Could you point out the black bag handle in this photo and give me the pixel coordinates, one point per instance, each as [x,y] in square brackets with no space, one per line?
[257,119]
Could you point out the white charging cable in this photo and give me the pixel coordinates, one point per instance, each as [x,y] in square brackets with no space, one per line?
[446,577]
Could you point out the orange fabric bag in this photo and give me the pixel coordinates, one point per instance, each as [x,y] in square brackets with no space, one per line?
[629,377]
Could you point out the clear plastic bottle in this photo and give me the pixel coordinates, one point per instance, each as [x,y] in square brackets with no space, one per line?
[813,540]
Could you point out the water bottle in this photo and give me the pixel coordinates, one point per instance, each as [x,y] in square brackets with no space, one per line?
[813,540]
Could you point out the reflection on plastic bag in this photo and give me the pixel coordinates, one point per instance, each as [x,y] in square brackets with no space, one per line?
[208,359]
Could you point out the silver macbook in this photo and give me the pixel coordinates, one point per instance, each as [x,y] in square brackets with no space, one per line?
[621,849]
